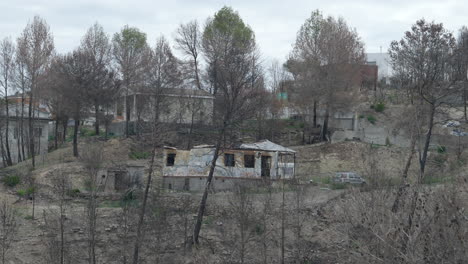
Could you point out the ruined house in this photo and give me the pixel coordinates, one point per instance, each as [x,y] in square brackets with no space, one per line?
[176,105]
[264,160]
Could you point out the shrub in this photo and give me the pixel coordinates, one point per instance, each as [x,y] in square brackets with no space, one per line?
[73,192]
[371,119]
[361,116]
[441,149]
[85,132]
[379,107]
[11,181]
[259,229]
[21,192]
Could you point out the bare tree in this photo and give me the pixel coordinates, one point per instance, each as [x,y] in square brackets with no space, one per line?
[92,159]
[35,49]
[131,54]
[332,53]
[98,47]
[188,40]
[234,79]
[8,228]
[424,60]
[55,219]
[7,67]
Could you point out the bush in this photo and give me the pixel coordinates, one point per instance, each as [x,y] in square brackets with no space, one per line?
[371,119]
[85,132]
[73,192]
[11,181]
[21,192]
[441,149]
[361,116]
[379,107]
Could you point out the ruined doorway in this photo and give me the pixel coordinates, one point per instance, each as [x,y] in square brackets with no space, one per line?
[266,165]
[122,181]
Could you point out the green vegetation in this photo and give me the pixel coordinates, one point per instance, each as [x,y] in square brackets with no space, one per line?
[435,180]
[73,192]
[86,132]
[361,116]
[441,149]
[371,119]
[259,229]
[11,180]
[379,107]
[136,155]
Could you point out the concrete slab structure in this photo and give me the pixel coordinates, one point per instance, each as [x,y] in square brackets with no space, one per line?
[264,160]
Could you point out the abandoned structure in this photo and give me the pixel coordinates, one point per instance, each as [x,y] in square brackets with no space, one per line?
[264,160]
[18,129]
[120,179]
[175,105]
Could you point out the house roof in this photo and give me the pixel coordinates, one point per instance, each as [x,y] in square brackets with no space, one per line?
[179,92]
[266,145]
[186,92]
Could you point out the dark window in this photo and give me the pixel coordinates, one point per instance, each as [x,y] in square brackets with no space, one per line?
[249,161]
[229,160]
[170,159]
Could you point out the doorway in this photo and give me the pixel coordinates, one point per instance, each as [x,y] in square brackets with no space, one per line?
[266,166]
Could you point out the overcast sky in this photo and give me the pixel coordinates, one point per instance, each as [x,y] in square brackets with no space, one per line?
[275,22]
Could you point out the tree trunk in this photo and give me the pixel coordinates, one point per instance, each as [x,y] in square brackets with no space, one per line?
[201,209]
[324,132]
[7,128]
[75,137]
[65,128]
[315,114]
[464,102]
[189,143]
[141,219]
[404,176]
[127,117]
[56,134]
[423,157]
[31,128]
[96,116]
[282,222]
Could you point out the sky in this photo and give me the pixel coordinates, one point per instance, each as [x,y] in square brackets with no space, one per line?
[275,22]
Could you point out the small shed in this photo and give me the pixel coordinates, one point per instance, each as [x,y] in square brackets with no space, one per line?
[120,179]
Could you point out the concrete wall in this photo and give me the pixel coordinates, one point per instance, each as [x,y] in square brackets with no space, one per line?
[108,179]
[196,162]
[198,183]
